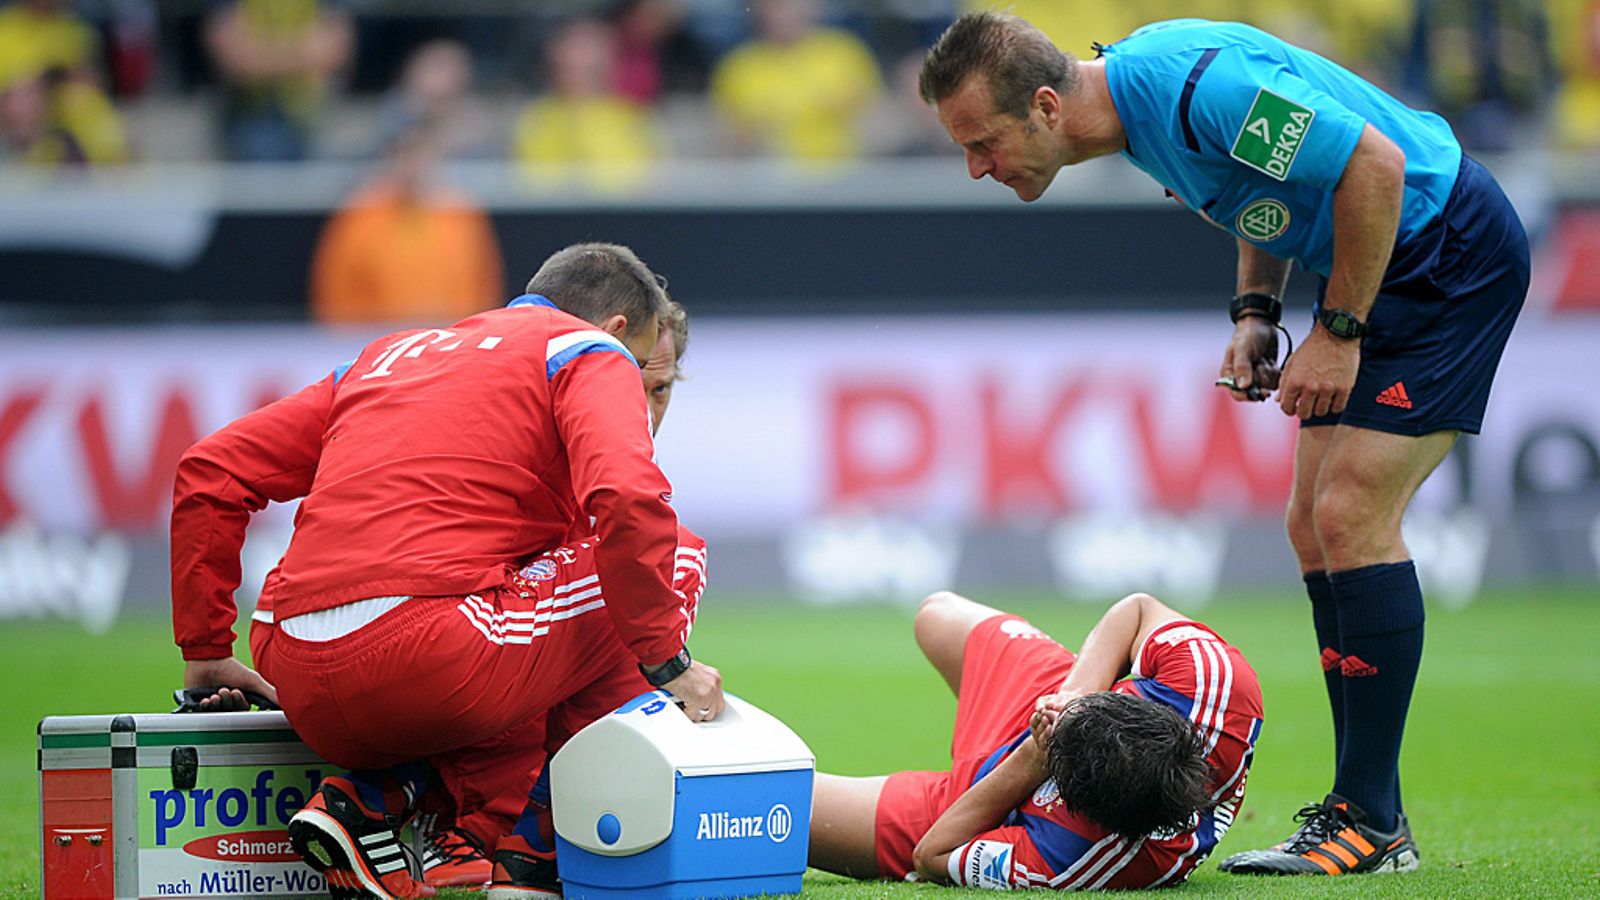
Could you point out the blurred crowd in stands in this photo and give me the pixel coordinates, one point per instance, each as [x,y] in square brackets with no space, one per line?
[608,86]
[592,93]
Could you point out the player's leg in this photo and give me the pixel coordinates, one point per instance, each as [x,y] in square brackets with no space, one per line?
[942,626]
[843,824]
[1311,447]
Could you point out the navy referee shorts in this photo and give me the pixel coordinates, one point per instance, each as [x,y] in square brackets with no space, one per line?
[1443,314]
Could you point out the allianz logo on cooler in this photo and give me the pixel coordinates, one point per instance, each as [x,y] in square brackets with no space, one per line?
[716,826]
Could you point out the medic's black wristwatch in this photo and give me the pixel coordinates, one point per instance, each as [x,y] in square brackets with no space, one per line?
[669,670]
[1342,324]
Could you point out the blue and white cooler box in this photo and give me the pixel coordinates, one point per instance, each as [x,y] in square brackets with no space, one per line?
[648,804]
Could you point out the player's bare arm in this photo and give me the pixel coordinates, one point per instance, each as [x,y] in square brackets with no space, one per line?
[1107,655]
[980,809]
[1251,358]
[1366,216]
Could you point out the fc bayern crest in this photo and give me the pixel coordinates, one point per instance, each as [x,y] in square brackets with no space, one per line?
[1047,793]
[539,570]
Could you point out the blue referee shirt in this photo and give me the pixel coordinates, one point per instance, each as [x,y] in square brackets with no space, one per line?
[1254,133]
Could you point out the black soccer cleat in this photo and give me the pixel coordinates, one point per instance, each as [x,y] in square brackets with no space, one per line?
[521,873]
[1333,839]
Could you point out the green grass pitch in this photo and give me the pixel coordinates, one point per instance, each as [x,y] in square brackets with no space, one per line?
[1501,765]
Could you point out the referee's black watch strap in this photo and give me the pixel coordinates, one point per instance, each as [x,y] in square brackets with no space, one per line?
[1256,303]
[1342,324]
[672,668]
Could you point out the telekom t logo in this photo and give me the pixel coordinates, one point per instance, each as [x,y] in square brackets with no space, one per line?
[411,347]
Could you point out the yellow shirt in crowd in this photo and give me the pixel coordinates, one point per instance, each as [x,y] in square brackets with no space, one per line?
[801,100]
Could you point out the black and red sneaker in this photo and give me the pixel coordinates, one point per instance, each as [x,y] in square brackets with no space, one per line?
[1333,839]
[356,849]
[521,873]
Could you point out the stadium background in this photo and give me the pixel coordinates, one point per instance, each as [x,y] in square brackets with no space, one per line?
[899,380]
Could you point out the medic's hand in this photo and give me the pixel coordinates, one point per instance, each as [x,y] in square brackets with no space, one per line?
[700,690]
[1251,359]
[231,678]
[1319,375]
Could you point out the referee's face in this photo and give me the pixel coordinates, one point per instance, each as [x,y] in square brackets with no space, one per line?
[1015,152]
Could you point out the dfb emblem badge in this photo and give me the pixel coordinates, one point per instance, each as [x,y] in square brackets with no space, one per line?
[539,570]
[1263,220]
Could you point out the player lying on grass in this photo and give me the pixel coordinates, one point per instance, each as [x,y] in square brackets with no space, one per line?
[1063,773]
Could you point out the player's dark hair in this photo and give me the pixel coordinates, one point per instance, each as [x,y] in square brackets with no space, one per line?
[596,281]
[1130,764]
[1015,57]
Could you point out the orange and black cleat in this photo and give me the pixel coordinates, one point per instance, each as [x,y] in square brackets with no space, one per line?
[453,858]
[1333,839]
[356,849]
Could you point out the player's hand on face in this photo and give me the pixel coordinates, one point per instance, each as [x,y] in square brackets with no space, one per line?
[1251,358]
[1042,724]
[1046,712]
[700,690]
[1319,375]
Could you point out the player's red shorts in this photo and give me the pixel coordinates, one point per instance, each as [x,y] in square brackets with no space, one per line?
[479,686]
[1006,666]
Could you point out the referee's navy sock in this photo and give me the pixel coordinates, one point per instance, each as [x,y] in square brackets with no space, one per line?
[1325,619]
[1380,625]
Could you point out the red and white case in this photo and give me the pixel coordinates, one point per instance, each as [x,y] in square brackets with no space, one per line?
[173,805]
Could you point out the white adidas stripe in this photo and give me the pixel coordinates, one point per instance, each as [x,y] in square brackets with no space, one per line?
[1194,844]
[525,620]
[1110,854]
[1089,856]
[574,585]
[499,630]
[1224,692]
[1122,863]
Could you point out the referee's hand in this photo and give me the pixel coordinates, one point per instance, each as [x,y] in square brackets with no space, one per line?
[1251,359]
[700,689]
[1318,378]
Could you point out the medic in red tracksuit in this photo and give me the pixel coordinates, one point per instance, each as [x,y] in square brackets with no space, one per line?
[1042,844]
[494,781]
[433,468]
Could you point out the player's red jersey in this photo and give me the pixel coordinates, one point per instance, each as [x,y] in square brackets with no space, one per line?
[1007,664]
[431,464]
[1186,666]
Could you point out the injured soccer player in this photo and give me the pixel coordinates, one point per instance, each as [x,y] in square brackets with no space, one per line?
[1120,766]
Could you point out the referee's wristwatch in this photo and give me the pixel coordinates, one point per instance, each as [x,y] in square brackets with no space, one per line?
[672,668]
[1342,324]
[1255,303]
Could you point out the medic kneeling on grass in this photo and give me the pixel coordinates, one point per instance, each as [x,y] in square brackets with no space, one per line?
[410,646]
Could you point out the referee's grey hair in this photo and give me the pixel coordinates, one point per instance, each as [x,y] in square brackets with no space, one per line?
[1010,53]
[596,281]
